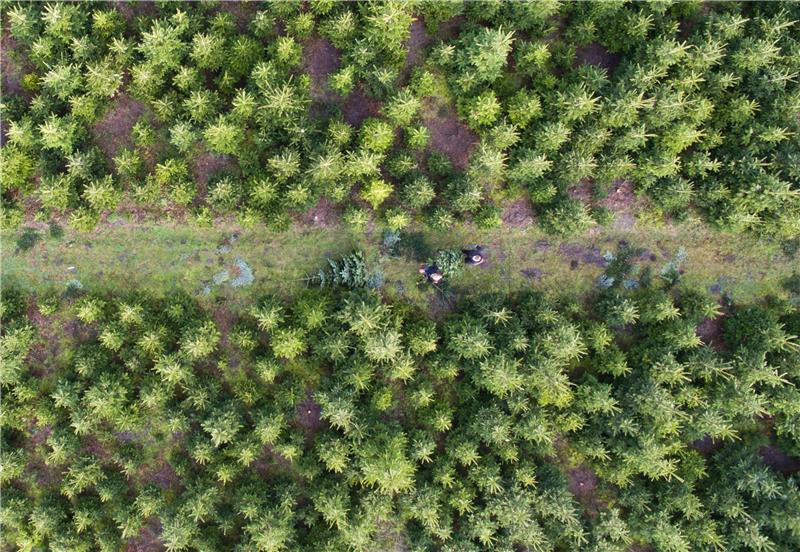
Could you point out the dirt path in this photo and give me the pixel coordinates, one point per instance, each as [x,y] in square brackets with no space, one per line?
[163,255]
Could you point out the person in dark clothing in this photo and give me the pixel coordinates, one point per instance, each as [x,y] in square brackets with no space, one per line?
[474,255]
[431,273]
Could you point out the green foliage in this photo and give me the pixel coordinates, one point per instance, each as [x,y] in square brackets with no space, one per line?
[697,107]
[450,262]
[308,424]
[349,271]
[27,239]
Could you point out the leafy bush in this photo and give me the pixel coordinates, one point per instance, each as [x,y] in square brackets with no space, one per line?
[27,239]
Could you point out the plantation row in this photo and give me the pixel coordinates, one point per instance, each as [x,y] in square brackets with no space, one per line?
[336,420]
[696,103]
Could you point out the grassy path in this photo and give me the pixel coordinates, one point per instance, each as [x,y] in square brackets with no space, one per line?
[158,256]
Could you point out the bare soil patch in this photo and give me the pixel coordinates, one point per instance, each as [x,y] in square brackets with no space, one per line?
[620,197]
[95,448]
[518,214]
[162,474]
[582,191]
[532,273]
[242,12]
[706,446]
[321,215]
[622,201]
[358,107]
[577,253]
[11,70]
[320,58]
[418,40]
[130,10]
[596,54]
[308,414]
[79,332]
[778,460]
[448,134]
[710,331]
[583,485]
[47,348]
[224,319]
[207,164]
[113,131]
[439,306]
[449,29]
[148,539]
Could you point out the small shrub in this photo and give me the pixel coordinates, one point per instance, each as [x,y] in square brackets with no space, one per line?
[56,231]
[28,239]
[450,262]
[376,192]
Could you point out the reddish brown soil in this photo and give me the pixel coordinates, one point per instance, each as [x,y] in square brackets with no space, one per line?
[224,319]
[532,273]
[582,191]
[583,484]
[113,131]
[320,59]
[242,12]
[130,10]
[448,134]
[95,448]
[79,332]
[31,204]
[596,54]
[778,460]
[577,253]
[710,331]
[322,215]
[449,29]
[418,40]
[162,474]
[308,414]
[358,106]
[11,70]
[620,197]
[206,164]
[706,446]
[438,306]
[518,213]
[624,203]
[47,348]
[621,200]
[148,539]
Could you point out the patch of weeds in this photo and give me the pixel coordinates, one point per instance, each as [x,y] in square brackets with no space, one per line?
[602,215]
[56,231]
[376,279]
[671,271]
[415,246]
[792,283]
[390,244]
[790,247]
[28,239]
[73,289]
[489,216]
[49,304]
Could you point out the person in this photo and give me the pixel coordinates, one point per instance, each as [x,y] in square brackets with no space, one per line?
[474,255]
[431,273]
